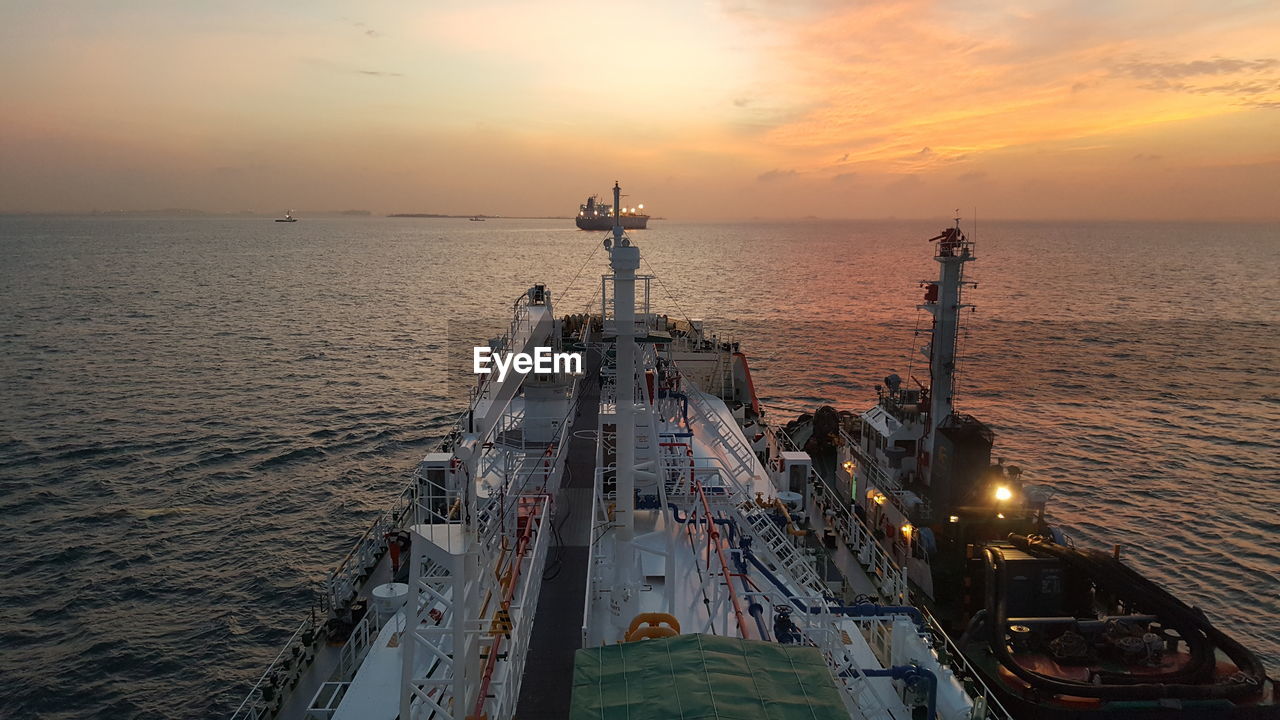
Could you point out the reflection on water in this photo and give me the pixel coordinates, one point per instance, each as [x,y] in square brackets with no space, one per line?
[201,414]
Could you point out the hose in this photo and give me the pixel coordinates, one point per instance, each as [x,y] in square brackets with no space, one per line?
[1116,578]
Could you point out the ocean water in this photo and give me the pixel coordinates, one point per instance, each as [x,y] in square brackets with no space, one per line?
[200,415]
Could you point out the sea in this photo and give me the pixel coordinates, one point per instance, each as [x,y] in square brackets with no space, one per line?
[200,415]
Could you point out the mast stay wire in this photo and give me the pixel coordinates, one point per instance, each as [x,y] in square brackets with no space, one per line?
[667,290]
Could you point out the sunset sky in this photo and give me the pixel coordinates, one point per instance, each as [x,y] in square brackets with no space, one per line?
[705,110]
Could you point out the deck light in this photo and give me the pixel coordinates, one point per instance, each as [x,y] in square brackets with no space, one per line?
[1003,493]
[955,518]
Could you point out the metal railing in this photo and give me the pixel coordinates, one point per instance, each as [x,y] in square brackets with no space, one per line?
[342,583]
[873,557]
[256,705]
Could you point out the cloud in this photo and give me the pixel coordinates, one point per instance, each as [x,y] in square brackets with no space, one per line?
[976,176]
[368,31]
[741,101]
[380,73]
[1236,89]
[1146,157]
[1215,66]
[775,175]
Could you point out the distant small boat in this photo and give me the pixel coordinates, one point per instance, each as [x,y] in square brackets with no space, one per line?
[477,218]
[288,217]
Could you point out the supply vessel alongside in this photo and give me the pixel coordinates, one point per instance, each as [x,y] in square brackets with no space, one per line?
[1055,631]
[595,215]
[638,541]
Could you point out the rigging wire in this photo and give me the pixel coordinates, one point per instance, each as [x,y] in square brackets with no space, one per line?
[595,248]
[667,290]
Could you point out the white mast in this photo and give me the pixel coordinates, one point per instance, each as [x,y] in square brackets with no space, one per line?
[954,250]
[624,259]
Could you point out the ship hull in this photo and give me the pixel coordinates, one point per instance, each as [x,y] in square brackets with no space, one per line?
[629,222]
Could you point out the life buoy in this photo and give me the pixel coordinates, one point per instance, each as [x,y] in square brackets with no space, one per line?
[652,625]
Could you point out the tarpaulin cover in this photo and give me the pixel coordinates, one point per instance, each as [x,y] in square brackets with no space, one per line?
[700,677]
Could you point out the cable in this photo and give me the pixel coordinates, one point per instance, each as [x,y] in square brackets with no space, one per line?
[658,277]
[580,269]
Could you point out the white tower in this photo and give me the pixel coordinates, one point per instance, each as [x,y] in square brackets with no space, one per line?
[944,302]
[624,259]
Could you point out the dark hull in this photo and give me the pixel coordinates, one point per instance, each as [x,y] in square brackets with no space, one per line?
[629,222]
[1024,703]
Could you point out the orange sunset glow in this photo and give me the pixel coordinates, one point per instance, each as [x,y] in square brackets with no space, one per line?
[713,110]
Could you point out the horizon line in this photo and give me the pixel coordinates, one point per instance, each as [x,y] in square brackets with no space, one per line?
[411,215]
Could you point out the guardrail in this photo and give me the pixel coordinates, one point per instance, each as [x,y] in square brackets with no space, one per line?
[892,579]
[342,583]
[256,704]
[878,561]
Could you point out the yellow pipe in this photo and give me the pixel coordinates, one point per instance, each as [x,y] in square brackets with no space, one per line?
[774,502]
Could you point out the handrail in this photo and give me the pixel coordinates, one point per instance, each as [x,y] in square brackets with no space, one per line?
[246,710]
[995,710]
[338,585]
[866,549]
[881,560]
[365,548]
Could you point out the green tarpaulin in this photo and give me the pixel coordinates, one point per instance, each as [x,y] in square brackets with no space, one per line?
[703,677]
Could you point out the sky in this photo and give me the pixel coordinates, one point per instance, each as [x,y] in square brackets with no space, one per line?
[1125,109]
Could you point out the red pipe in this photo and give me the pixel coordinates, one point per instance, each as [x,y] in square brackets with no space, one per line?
[687,451]
[713,535]
[521,546]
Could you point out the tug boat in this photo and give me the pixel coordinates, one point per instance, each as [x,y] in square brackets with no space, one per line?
[614,544]
[1054,631]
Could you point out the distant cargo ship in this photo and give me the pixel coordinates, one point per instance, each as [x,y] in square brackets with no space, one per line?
[595,215]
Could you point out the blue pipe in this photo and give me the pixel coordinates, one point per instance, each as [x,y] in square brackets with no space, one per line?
[764,570]
[684,410]
[755,608]
[733,527]
[863,610]
[910,674]
[873,610]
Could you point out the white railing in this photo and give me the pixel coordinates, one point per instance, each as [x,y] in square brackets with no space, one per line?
[256,704]
[894,587]
[741,452]
[357,646]
[890,579]
[342,583]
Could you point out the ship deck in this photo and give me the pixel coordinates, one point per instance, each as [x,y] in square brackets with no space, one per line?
[547,686]
[329,655]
